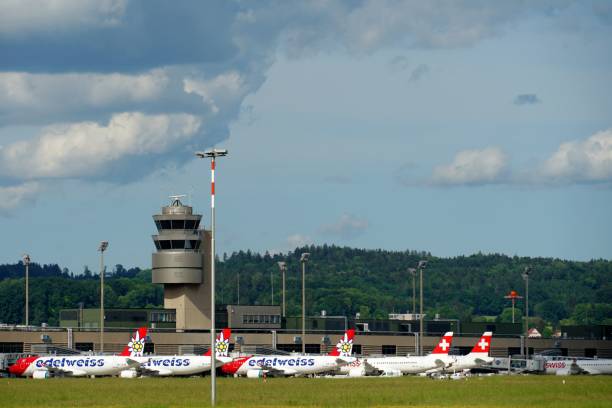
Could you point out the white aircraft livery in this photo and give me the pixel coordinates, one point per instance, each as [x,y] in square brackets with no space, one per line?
[257,366]
[479,355]
[394,366]
[174,365]
[569,366]
[73,366]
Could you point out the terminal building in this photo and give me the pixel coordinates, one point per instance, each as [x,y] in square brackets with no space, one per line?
[181,263]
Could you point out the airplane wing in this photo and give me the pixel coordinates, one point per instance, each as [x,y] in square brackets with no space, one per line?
[275,371]
[440,364]
[342,362]
[133,363]
[59,372]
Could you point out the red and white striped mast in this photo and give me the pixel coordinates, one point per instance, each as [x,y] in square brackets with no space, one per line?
[212,154]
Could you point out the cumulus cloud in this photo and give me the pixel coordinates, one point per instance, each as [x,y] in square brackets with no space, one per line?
[472,167]
[97,72]
[581,161]
[12,197]
[526,99]
[23,17]
[348,226]
[87,149]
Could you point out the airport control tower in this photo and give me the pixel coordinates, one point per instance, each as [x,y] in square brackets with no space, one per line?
[182,264]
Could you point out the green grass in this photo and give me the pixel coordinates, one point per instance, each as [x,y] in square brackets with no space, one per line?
[499,391]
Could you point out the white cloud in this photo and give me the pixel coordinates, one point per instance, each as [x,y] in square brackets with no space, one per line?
[581,161]
[221,89]
[472,167]
[348,226]
[87,148]
[12,197]
[25,16]
[22,90]
[298,240]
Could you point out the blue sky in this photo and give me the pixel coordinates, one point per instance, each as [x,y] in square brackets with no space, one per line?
[451,127]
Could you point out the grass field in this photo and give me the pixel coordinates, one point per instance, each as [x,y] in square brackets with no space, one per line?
[499,391]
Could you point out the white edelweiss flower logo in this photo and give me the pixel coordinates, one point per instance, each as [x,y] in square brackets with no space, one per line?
[222,346]
[136,346]
[345,346]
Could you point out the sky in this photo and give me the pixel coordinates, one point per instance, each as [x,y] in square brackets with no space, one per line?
[444,126]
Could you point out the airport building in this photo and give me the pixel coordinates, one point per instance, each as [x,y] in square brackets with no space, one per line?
[181,263]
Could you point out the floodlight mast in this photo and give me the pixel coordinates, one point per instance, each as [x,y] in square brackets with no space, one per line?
[103,246]
[26,262]
[420,266]
[212,154]
[303,259]
[525,275]
[283,268]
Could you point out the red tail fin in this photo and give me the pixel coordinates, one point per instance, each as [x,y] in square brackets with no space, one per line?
[444,345]
[344,347]
[484,344]
[135,347]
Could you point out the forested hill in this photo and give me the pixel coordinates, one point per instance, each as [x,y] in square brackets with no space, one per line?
[345,281]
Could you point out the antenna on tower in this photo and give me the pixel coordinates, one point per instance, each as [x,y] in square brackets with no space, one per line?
[176,200]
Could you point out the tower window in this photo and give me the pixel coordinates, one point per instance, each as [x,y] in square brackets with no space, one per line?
[178,244]
[165,224]
[190,224]
[178,224]
[165,244]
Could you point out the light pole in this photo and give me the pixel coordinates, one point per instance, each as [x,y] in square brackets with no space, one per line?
[303,260]
[212,154]
[421,265]
[238,287]
[103,246]
[272,287]
[413,273]
[26,262]
[526,272]
[283,268]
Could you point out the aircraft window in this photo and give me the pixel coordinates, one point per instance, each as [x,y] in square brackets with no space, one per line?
[178,224]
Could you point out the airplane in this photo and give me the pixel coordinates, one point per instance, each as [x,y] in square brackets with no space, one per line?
[572,366]
[396,366]
[174,365]
[281,365]
[478,357]
[76,366]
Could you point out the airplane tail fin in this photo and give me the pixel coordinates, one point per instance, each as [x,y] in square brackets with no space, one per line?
[221,344]
[484,344]
[135,347]
[344,348]
[444,345]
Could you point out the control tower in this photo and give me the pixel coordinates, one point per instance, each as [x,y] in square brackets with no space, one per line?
[182,264]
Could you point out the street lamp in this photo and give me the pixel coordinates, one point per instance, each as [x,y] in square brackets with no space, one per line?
[420,266]
[525,275]
[414,274]
[26,262]
[283,268]
[212,154]
[103,246]
[303,260]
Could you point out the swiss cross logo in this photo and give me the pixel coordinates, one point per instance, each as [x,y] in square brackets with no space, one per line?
[443,345]
[483,344]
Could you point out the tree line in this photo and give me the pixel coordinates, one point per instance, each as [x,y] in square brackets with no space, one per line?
[344,281]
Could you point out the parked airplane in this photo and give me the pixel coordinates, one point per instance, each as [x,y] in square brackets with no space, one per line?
[174,365]
[569,366]
[279,365]
[395,366]
[476,358]
[77,366]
